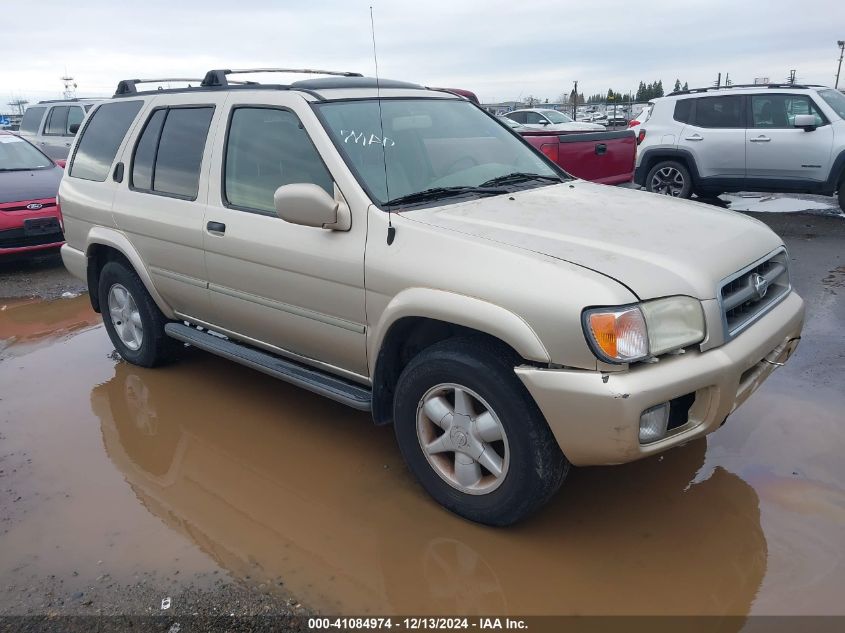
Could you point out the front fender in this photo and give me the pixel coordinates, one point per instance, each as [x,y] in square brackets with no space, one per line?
[461,310]
[105,236]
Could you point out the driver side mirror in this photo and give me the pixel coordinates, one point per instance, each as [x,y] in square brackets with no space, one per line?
[309,205]
[543,121]
[806,121]
[73,128]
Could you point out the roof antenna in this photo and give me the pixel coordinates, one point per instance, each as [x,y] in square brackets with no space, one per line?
[391,231]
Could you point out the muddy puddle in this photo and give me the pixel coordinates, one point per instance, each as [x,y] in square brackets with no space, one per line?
[206,467]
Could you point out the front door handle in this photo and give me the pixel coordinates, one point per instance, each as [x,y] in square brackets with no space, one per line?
[694,137]
[760,139]
[216,228]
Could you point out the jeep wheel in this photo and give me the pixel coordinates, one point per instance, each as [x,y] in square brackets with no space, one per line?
[133,320]
[842,195]
[471,434]
[669,178]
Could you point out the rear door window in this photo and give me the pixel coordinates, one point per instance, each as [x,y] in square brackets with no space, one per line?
[74,117]
[168,155]
[519,117]
[32,120]
[719,112]
[683,110]
[57,121]
[101,138]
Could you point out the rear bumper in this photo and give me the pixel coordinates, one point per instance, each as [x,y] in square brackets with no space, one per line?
[75,261]
[595,417]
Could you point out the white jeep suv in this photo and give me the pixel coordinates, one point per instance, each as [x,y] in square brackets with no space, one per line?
[776,138]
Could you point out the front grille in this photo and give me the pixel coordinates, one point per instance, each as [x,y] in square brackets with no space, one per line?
[48,205]
[15,238]
[748,294]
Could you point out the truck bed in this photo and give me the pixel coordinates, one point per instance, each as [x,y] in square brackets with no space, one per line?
[604,157]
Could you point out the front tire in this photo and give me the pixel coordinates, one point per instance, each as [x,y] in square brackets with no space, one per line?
[473,436]
[133,320]
[669,178]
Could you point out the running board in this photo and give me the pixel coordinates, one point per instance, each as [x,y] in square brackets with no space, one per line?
[338,389]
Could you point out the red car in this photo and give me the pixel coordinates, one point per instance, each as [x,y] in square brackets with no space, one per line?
[30,218]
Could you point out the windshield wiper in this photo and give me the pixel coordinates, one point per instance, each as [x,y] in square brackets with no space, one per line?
[439,193]
[518,176]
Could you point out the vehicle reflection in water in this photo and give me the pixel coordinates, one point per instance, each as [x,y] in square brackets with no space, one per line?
[276,483]
[26,324]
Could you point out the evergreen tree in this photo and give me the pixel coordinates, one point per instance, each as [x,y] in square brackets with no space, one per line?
[677,85]
[686,86]
[658,88]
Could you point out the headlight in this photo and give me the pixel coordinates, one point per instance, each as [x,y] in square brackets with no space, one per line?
[627,334]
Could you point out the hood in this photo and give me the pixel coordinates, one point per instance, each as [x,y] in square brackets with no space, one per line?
[33,184]
[654,245]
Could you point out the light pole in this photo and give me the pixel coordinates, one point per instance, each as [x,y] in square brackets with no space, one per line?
[841,44]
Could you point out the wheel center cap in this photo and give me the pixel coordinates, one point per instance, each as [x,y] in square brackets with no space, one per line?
[459,437]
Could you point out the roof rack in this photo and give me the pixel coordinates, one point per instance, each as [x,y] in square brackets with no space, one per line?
[72,99]
[775,86]
[218,78]
[129,86]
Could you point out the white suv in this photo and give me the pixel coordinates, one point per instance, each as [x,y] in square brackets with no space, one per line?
[778,138]
[51,125]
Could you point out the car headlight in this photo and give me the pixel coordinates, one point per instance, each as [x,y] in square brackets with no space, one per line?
[627,334]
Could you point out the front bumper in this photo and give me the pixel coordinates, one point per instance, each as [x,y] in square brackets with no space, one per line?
[16,239]
[595,416]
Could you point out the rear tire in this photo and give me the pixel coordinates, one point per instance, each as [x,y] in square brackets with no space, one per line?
[133,320]
[492,458]
[841,195]
[669,178]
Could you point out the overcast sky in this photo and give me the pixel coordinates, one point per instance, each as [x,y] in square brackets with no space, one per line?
[502,50]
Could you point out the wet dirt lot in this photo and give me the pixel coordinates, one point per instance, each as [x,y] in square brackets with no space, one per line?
[224,489]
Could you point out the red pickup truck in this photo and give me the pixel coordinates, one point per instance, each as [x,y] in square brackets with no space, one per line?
[604,157]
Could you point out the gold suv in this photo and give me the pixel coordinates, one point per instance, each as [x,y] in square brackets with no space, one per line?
[399,250]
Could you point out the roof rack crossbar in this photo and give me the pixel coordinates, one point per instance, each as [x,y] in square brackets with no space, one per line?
[776,86]
[128,86]
[219,77]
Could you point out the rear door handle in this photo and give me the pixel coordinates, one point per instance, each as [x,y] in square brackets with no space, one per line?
[216,228]
[760,139]
[694,137]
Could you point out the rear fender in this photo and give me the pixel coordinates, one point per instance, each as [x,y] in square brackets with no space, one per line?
[119,242]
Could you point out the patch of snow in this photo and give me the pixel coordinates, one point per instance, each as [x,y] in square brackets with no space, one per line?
[772,204]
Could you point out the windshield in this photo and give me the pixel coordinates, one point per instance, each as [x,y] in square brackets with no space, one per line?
[556,117]
[429,144]
[835,100]
[18,155]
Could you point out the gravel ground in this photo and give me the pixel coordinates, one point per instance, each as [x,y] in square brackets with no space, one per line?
[43,276]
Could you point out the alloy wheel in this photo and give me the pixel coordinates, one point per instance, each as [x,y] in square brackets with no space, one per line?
[463,439]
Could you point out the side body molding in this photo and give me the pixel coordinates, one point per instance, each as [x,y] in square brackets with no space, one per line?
[462,310]
[117,240]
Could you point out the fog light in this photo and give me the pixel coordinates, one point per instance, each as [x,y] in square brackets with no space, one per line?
[653,423]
